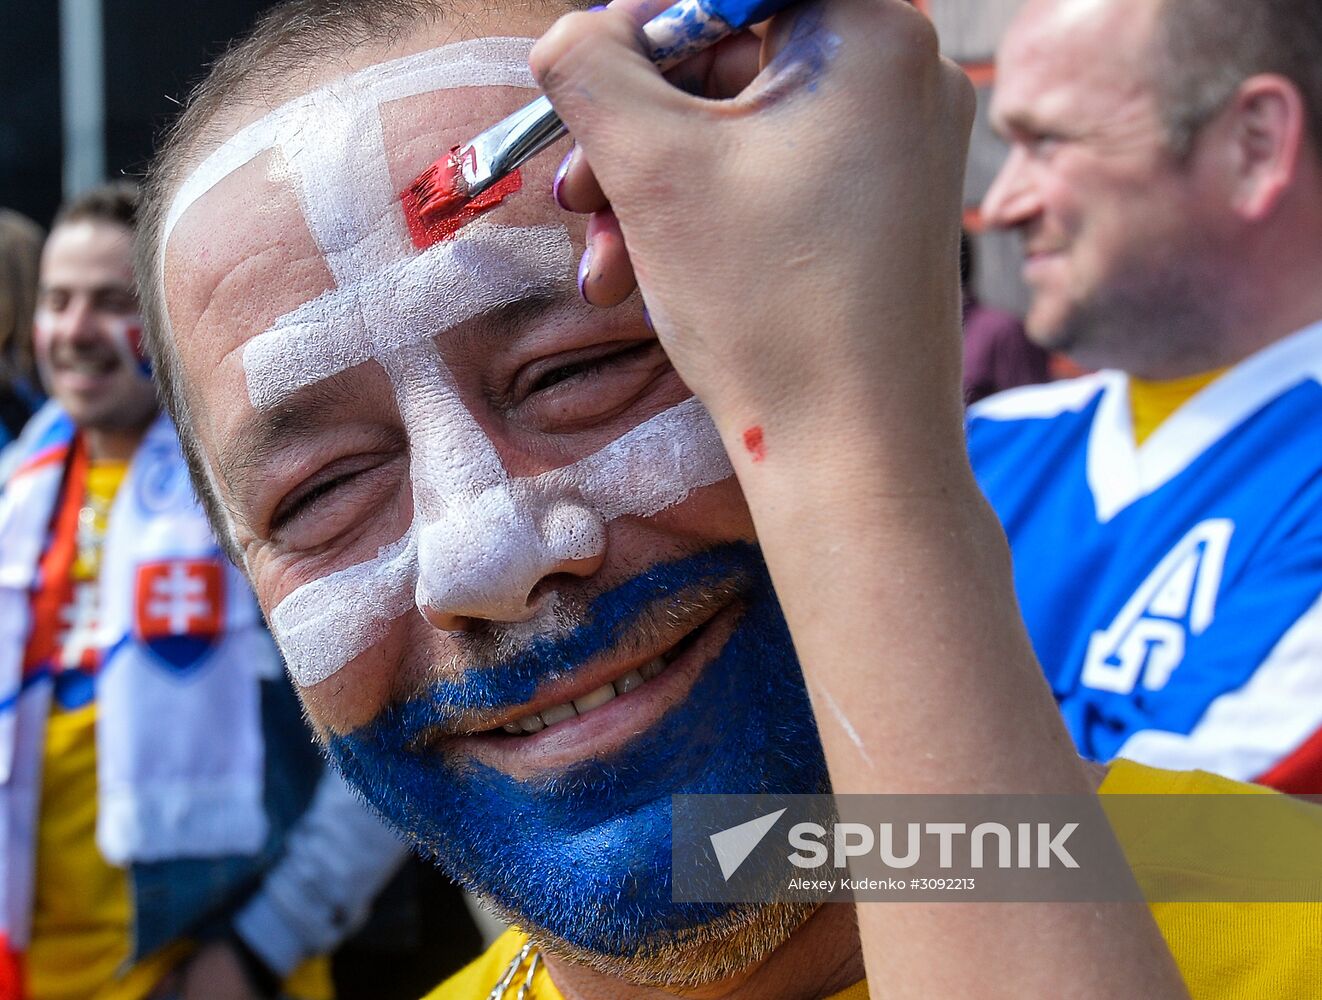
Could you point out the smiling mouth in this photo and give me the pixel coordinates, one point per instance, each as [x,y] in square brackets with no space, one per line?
[605,703]
[87,367]
[548,718]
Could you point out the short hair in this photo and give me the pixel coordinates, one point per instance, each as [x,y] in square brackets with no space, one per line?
[284,43]
[115,202]
[1206,48]
[21,240]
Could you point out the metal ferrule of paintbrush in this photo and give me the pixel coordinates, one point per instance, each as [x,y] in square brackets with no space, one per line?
[678,32]
[507,145]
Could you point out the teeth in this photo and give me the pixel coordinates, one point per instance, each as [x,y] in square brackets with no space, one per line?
[593,699]
[628,682]
[558,714]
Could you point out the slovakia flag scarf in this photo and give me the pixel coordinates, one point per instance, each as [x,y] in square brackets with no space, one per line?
[179,743]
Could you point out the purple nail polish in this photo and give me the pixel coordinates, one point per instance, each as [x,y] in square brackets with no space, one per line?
[600,6]
[584,268]
[647,318]
[560,172]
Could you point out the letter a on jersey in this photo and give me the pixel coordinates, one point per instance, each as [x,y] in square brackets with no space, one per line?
[1177,601]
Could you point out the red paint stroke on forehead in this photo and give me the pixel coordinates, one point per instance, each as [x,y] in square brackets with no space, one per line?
[428,230]
[754,443]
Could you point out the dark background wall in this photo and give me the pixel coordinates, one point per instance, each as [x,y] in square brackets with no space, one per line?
[154,50]
[30,146]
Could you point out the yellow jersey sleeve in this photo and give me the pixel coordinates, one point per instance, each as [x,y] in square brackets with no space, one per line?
[1239,950]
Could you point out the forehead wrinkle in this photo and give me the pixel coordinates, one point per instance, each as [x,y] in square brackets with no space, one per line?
[218,296]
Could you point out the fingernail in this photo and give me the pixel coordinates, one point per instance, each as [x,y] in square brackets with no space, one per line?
[584,268]
[600,6]
[560,172]
[647,318]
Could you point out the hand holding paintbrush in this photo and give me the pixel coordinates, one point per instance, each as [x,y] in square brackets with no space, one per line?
[772,230]
[797,247]
[470,169]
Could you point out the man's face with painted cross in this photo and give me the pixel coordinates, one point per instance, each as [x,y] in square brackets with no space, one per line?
[496,538]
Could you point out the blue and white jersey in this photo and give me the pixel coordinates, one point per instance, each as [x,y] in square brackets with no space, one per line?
[1172,589]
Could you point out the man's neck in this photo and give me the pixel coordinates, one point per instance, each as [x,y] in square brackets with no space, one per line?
[112,444]
[822,958]
[1270,293]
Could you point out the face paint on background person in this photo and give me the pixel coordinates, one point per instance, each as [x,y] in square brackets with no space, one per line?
[123,333]
[126,334]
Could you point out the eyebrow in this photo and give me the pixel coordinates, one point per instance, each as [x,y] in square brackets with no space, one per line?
[304,416]
[263,435]
[447,286]
[46,288]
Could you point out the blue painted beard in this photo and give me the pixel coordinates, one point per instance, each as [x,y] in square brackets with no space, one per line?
[583,854]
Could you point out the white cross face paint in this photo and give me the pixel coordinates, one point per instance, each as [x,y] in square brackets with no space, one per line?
[481,538]
[407,301]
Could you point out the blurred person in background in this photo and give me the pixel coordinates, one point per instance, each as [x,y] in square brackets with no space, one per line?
[1166,513]
[168,828]
[997,353]
[20,252]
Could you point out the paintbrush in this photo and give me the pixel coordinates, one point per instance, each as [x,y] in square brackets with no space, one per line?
[468,170]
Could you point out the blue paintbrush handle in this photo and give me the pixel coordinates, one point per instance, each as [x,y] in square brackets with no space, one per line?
[742,13]
[690,26]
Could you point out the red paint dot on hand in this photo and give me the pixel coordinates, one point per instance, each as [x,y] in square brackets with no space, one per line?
[753,442]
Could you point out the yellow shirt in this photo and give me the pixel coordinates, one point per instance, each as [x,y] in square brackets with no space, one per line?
[81,916]
[1226,951]
[1150,403]
[1229,951]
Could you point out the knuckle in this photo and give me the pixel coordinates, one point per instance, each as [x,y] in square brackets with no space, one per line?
[962,94]
[569,51]
[914,34]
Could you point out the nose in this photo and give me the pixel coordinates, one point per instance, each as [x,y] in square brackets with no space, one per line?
[1012,198]
[491,557]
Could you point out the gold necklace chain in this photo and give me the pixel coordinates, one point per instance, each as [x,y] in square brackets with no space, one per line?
[91,533]
[528,953]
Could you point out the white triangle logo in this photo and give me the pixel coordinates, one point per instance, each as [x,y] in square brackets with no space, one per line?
[733,846]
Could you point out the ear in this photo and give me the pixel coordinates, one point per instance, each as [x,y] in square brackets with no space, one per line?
[1267,123]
